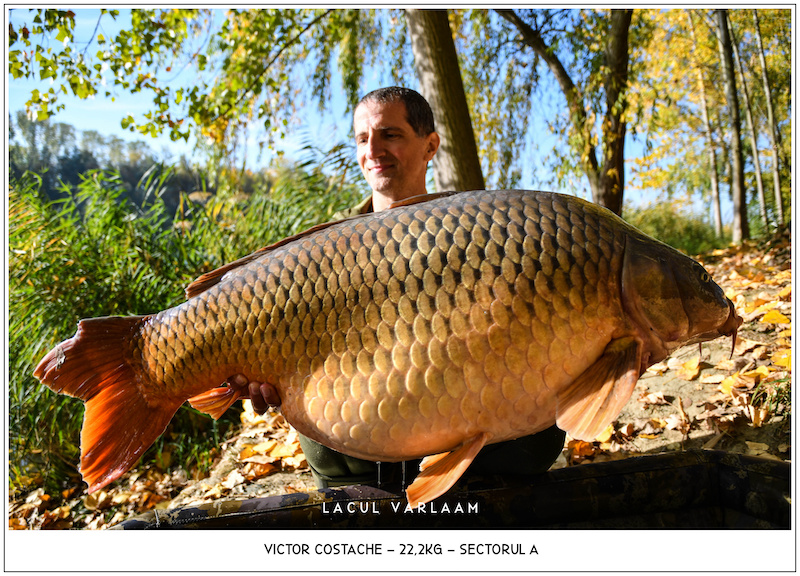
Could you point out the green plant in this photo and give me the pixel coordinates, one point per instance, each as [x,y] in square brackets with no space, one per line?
[94,253]
[678,228]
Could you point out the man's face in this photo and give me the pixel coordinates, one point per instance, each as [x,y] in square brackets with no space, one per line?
[391,155]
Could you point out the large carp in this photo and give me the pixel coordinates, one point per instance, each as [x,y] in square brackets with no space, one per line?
[447,323]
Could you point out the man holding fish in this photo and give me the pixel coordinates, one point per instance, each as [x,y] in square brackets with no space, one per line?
[455,327]
[395,139]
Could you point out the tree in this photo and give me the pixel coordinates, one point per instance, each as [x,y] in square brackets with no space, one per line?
[774,133]
[711,147]
[606,180]
[740,223]
[456,164]
[748,110]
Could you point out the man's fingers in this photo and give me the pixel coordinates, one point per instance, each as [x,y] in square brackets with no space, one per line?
[238,380]
[270,394]
[261,394]
[259,403]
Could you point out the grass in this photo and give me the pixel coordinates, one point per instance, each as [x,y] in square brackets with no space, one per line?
[96,254]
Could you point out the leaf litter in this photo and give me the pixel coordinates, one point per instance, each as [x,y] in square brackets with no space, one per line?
[706,400]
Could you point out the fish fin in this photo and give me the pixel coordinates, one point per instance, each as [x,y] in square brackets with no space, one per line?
[429,461]
[588,405]
[419,198]
[440,471]
[209,279]
[215,401]
[119,421]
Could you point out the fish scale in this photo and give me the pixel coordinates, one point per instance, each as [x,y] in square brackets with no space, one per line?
[434,327]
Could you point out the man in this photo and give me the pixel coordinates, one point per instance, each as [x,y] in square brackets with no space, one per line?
[395,140]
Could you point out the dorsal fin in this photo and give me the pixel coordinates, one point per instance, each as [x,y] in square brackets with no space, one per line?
[421,198]
[209,279]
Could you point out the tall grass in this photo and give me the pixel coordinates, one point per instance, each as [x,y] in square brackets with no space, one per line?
[96,254]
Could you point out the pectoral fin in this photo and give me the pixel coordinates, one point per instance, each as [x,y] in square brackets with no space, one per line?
[440,471]
[588,405]
[215,401]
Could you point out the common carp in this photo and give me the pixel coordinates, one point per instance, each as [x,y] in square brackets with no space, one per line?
[446,323]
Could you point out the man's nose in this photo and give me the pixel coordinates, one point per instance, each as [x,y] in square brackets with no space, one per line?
[375,148]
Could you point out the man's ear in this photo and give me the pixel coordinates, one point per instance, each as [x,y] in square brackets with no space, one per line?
[433,145]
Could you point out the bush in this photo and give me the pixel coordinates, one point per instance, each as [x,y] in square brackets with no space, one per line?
[667,222]
[96,254]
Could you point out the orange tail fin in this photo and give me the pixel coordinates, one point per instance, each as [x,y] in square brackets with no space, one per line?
[119,422]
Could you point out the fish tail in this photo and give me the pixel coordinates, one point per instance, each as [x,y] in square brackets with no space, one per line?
[119,421]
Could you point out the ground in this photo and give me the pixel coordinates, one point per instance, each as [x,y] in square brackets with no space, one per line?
[701,398]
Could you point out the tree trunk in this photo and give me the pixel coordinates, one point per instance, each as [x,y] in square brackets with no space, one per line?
[751,126]
[606,182]
[612,175]
[456,165]
[712,152]
[773,132]
[740,228]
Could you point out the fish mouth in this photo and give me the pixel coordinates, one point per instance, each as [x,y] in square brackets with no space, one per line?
[728,328]
[731,325]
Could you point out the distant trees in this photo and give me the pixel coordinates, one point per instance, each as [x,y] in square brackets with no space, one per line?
[62,155]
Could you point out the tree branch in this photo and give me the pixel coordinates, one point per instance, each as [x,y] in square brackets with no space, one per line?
[272,60]
[574,98]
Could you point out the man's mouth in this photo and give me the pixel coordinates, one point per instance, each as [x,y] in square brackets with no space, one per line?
[380,168]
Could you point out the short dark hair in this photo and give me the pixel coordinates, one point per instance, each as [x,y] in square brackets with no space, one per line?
[418,112]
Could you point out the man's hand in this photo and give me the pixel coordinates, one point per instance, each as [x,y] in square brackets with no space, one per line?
[261,394]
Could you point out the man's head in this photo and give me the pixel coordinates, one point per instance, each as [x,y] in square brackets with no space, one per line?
[395,140]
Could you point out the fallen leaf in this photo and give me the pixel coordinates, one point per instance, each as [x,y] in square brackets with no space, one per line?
[690,370]
[756,448]
[97,500]
[297,461]
[627,431]
[658,368]
[712,378]
[17,524]
[743,345]
[232,479]
[253,470]
[775,317]
[580,448]
[654,398]
[259,459]
[606,434]
[757,415]
[282,451]
[755,375]
[783,358]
